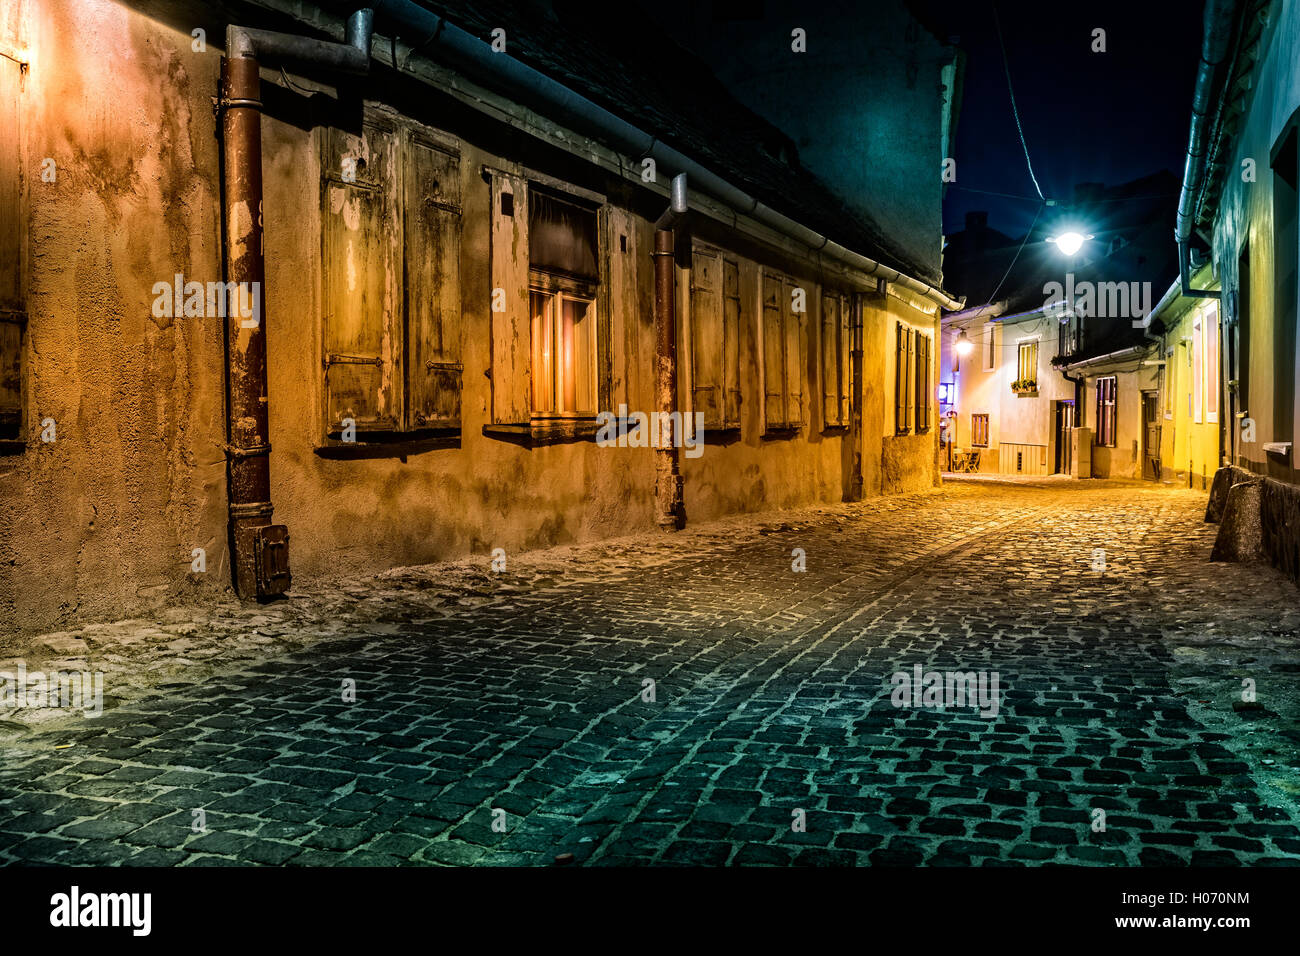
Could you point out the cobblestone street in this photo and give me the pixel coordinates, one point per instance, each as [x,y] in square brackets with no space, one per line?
[527,692]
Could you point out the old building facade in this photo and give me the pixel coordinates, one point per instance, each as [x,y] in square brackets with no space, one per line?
[458,292]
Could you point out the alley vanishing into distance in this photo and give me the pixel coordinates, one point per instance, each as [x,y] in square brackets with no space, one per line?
[527,692]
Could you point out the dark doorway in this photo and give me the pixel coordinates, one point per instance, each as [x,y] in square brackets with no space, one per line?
[1064,422]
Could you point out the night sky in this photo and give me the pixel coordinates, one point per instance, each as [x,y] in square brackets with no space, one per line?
[1088,117]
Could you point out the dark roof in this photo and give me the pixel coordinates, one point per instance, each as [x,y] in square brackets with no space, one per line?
[620,59]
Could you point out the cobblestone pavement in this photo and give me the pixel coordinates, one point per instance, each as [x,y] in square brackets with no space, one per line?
[526,692]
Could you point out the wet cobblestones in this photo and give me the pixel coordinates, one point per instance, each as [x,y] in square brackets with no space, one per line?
[526,693]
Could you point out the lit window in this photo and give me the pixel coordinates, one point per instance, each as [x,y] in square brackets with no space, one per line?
[1106,389]
[562,303]
[564,353]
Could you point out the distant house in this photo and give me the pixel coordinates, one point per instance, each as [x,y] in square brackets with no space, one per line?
[471,272]
[1058,347]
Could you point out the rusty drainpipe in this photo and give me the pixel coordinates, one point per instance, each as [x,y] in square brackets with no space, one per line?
[259,549]
[670,507]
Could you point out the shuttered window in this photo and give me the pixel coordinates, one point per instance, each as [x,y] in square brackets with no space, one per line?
[13,305]
[921,376]
[391,246]
[902,402]
[1106,397]
[549,339]
[782,336]
[979,430]
[836,365]
[714,337]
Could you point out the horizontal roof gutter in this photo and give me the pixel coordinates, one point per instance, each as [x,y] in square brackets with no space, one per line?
[1133,351]
[1219,16]
[475,58]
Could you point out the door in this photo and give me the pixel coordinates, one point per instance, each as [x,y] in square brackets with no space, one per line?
[1151,436]
[1064,422]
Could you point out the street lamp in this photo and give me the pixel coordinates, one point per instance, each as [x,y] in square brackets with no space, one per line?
[1069,243]
[964,345]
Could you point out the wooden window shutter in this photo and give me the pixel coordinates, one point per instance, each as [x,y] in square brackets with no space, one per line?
[773,353]
[900,379]
[433,215]
[830,364]
[846,359]
[793,355]
[707,336]
[922,382]
[730,344]
[360,236]
[909,378]
[13,229]
[511,327]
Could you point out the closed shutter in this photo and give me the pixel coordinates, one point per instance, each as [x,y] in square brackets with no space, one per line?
[900,379]
[360,236]
[909,373]
[794,329]
[773,353]
[13,228]
[830,364]
[511,327]
[730,344]
[707,336]
[922,382]
[847,384]
[432,247]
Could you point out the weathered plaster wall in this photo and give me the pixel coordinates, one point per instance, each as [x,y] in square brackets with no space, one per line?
[1124,459]
[1189,450]
[1246,216]
[101,521]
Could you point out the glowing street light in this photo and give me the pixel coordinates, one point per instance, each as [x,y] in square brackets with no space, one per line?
[1069,242]
[964,345]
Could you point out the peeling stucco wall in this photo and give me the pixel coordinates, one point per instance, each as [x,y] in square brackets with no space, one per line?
[102,522]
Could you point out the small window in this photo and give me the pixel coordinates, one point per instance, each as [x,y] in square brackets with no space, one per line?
[990,347]
[1106,411]
[1027,364]
[979,430]
[562,281]
[564,353]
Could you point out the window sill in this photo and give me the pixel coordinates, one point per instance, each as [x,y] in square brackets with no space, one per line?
[1280,448]
[781,432]
[389,444]
[543,431]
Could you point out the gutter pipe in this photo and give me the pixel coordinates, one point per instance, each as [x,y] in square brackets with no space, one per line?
[1218,23]
[670,505]
[259,550]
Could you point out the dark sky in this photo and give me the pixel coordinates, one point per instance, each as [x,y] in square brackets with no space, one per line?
[1088,117]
